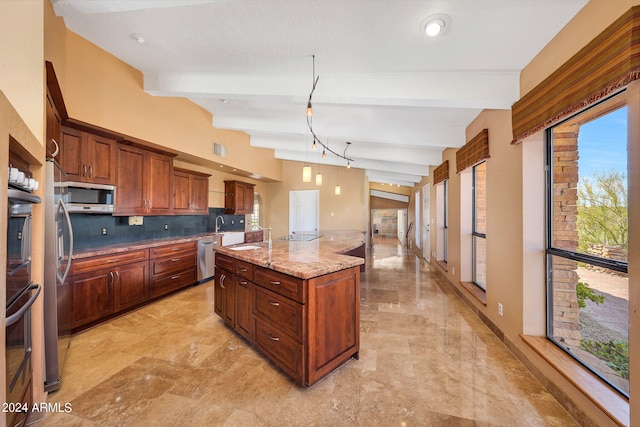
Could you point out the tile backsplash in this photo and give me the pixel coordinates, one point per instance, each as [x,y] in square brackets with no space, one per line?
[88,229]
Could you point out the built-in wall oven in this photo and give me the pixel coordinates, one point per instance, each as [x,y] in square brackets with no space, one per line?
[21,294]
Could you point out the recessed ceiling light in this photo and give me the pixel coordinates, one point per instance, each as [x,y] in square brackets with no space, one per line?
[435,25]
[137,38]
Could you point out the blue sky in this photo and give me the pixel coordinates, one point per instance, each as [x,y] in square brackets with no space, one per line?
[603,144]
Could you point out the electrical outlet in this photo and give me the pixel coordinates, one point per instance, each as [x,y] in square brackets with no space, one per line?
[104,231]
[500,308]
[166,226]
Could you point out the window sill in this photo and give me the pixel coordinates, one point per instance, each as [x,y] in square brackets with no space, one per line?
[601,394]
[477,292]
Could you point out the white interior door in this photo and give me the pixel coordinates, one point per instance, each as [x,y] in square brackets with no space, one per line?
[402,226]
[426,226]
[304,211]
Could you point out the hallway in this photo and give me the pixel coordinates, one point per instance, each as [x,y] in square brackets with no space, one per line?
[425,360]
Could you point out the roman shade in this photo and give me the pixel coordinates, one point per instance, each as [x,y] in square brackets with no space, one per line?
[473,152]
[441,172]
[608,63]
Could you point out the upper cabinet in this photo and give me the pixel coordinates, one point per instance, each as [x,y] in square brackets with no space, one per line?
[144,182]
[191,192]
[53,128]
[86,157]
[238,197]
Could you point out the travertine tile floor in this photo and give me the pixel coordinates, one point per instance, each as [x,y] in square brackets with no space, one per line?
[425,360]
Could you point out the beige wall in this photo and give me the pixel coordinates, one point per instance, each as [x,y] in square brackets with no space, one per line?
[21,70]
[349,211]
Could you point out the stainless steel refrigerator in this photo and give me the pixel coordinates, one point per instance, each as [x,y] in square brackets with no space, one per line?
[57,261]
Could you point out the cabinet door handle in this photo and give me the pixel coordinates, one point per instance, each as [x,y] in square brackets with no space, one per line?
[111,277]
[274,282]
[175,249]
[243,283]
[177,276]
[118,276]
[273,338]
[84,170]
[175,259]
[111,260]
[242,269]
[274,303]
[222,282]
[90,171]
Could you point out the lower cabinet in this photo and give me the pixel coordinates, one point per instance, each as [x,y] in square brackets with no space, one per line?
[173,267]
[105,285]
[306,327]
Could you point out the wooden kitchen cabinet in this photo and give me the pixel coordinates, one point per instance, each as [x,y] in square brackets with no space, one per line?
[190,192]
[144,182]
[107,284]
[307,327]
[224,295]
[86,157]
[173,267]
[54,128]
[253,236]
[238,197]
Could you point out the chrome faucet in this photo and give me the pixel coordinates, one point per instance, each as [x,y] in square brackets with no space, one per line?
[217,218]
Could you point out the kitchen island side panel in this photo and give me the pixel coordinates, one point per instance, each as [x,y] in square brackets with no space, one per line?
[333,313]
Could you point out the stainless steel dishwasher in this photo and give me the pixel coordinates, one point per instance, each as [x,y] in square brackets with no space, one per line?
[207,257]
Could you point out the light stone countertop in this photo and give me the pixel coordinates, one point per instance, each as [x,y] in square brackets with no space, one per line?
[303,259]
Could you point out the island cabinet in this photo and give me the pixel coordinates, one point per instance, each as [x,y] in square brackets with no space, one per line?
[238,197]
[308,327]
[253,236]
[173,267]
[144,182]
[107,284]
[190,192]
[86,157]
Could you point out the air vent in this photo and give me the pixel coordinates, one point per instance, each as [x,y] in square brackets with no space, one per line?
[219,150]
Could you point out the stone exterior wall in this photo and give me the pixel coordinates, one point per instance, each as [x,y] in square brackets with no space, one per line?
[566,312]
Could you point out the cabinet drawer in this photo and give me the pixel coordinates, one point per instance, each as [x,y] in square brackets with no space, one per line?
[172,264]
[244,269]
[168,250]
[279,310]
[162,285]
[225,262]
[253,236]
[283,350]
[91,264]
[280,283]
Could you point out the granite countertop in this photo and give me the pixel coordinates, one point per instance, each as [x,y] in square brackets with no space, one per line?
[142,244]
[303,259]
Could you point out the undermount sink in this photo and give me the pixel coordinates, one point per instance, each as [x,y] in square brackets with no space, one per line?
[245,248]
[231,238]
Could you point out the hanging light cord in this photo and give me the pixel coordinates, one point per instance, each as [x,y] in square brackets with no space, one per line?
[325,147]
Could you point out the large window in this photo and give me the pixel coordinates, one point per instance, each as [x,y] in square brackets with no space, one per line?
[587,240]
[479,229]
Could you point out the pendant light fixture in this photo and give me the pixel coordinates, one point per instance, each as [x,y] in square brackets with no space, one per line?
[318,178]
[306,170]
[337,189]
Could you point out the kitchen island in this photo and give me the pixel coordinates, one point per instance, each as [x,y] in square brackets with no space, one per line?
[297,301]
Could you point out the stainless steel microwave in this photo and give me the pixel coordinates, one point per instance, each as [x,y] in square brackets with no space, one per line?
[85,197]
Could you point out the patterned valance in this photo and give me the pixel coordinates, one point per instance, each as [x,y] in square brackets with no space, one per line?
[473,152]
[441,172]
[608,63]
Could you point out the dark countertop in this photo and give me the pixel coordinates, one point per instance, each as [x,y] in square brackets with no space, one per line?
[303,259]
